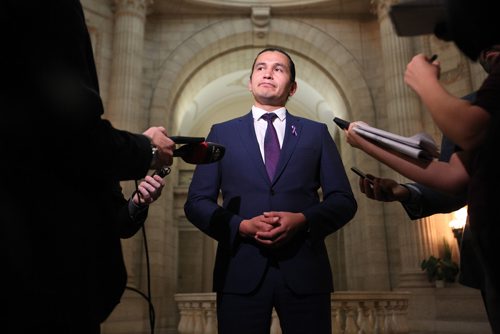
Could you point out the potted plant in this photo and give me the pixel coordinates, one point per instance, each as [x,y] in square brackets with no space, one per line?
[441,269]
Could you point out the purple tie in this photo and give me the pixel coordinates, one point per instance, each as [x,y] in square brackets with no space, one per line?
[271,145]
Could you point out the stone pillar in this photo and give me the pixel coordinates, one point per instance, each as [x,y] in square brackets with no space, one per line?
[402,105]
[209,252]
[125,98]
[404,117]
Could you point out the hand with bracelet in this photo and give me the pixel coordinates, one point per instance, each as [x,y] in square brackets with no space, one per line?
[162,147]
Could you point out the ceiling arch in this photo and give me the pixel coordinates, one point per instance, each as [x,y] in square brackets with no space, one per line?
[250,3]
[211,86]
[228,96]
[330,8]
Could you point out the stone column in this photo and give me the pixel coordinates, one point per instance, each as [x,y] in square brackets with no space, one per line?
[125,109]
[125,96]
[209,252]
[404,116]
[402,105]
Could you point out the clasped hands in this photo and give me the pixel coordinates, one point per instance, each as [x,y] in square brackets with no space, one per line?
[273,228]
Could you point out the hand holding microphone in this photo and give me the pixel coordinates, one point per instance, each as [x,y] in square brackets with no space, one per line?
[162,147]
[148,190]
[194,151]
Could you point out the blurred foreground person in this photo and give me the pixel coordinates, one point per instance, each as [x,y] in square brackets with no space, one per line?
[61,164]
[473,126]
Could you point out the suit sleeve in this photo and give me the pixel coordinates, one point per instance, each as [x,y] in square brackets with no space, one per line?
[425,201]
[339,205]
[201,207]
[126,225]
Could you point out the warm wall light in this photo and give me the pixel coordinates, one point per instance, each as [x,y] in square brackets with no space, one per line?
[457,223]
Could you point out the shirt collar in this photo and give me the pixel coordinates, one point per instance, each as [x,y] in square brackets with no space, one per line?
[258,112]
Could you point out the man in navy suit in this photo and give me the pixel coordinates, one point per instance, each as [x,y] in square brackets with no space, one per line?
[271,229]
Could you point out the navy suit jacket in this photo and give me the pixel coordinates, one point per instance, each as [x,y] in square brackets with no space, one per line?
[309,161]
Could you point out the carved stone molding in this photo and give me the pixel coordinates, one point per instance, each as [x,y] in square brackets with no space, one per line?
[261,18]
[381,7]
[138,7]
[240,3]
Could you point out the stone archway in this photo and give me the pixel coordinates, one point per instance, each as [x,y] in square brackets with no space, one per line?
[324,63]
[221,55]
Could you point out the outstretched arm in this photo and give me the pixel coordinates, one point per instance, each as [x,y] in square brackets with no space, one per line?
[450,177]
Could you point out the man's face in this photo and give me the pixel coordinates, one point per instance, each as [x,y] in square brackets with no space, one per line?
[270,81]
[489,57]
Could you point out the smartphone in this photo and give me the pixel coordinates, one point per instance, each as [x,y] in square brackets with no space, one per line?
[361,173]
[341,123]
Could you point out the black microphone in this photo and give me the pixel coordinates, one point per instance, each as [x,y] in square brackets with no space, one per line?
[195,151]
[200,153]
[187,140]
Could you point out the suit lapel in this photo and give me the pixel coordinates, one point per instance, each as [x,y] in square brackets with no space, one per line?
[249,140]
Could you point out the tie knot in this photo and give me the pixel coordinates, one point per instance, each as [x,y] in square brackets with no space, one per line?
[270,116]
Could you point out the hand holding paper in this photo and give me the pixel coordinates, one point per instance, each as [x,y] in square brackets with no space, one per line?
[420,146]
[415,163]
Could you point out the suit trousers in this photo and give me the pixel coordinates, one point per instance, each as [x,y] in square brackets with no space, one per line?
[252,313]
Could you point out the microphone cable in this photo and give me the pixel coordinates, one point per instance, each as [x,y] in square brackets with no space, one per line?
[164,171]
[148,296]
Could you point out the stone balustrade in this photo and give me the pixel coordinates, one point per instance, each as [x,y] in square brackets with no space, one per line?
[353,312]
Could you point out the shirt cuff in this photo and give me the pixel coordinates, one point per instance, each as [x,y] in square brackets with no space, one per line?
[413,204]
[414,192]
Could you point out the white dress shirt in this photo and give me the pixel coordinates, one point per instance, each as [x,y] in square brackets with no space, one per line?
[260,126]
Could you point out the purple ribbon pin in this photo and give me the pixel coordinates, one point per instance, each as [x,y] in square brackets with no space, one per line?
[294,130]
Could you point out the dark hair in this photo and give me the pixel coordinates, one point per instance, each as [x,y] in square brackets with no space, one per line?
[473,25]
[274,49]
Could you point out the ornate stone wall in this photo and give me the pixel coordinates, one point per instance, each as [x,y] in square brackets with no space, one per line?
[184,66]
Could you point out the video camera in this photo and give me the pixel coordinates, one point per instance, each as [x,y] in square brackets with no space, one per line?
[470,24]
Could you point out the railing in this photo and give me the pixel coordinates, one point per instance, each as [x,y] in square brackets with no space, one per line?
[353,312]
